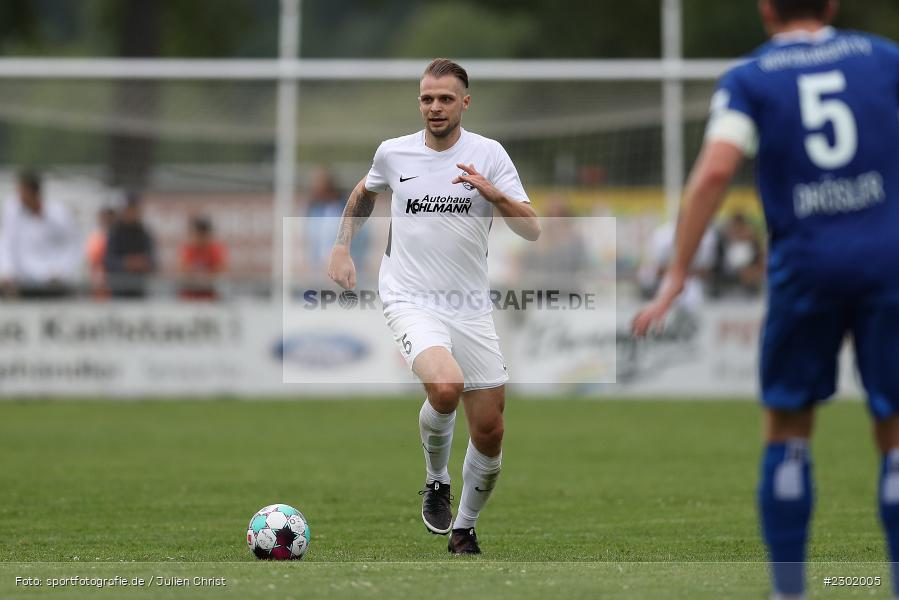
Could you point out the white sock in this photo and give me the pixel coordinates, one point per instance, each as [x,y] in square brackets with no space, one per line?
[436,431]
[479,474]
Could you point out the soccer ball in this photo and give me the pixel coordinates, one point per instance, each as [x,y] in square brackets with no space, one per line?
[278,532]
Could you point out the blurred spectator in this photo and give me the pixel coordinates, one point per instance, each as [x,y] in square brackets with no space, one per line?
[560,255]
[95,250]
[324,209]
[659,252]
[39,247]
[130,258]
[739,268]
[202,258]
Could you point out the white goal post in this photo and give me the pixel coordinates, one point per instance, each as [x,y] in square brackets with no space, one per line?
[289,72]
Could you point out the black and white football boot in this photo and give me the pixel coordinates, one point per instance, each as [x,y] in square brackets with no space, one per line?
[436,510]
[463,541]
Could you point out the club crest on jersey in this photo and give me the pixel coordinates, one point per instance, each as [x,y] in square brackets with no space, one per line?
[466,184]
[438,204]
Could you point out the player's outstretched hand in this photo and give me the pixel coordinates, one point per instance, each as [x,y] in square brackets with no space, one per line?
[480,183]
[652,316]
[341,268]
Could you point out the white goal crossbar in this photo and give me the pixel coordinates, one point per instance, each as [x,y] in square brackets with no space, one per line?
[357,69]
[289,70]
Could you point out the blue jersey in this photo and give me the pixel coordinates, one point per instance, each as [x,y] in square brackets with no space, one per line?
[822,113]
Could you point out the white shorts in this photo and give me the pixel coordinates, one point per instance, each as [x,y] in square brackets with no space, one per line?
[472,342]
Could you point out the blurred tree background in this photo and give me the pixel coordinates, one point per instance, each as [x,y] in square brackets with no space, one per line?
[126,127]
[395,28]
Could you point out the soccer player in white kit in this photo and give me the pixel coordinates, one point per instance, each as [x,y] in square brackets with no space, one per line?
[447,184]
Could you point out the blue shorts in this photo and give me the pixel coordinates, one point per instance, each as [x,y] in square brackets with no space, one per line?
[801,345]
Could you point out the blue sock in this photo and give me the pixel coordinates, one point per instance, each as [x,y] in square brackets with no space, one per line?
[888,497]
[785,507]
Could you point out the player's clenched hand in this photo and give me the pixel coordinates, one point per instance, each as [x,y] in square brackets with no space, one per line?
[341,268]
[480,183]
[653,315]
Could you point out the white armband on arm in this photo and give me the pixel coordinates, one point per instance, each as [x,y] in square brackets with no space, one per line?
[734,127]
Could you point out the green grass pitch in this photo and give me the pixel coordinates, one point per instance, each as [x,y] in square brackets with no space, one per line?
[597,499]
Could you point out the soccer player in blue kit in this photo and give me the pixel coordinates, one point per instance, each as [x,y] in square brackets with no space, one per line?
[819,110]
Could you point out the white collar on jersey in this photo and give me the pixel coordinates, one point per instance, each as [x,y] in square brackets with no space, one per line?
[462,134]
[801,35]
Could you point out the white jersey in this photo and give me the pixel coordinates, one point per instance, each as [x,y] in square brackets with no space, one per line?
[437,249]
[36,249]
